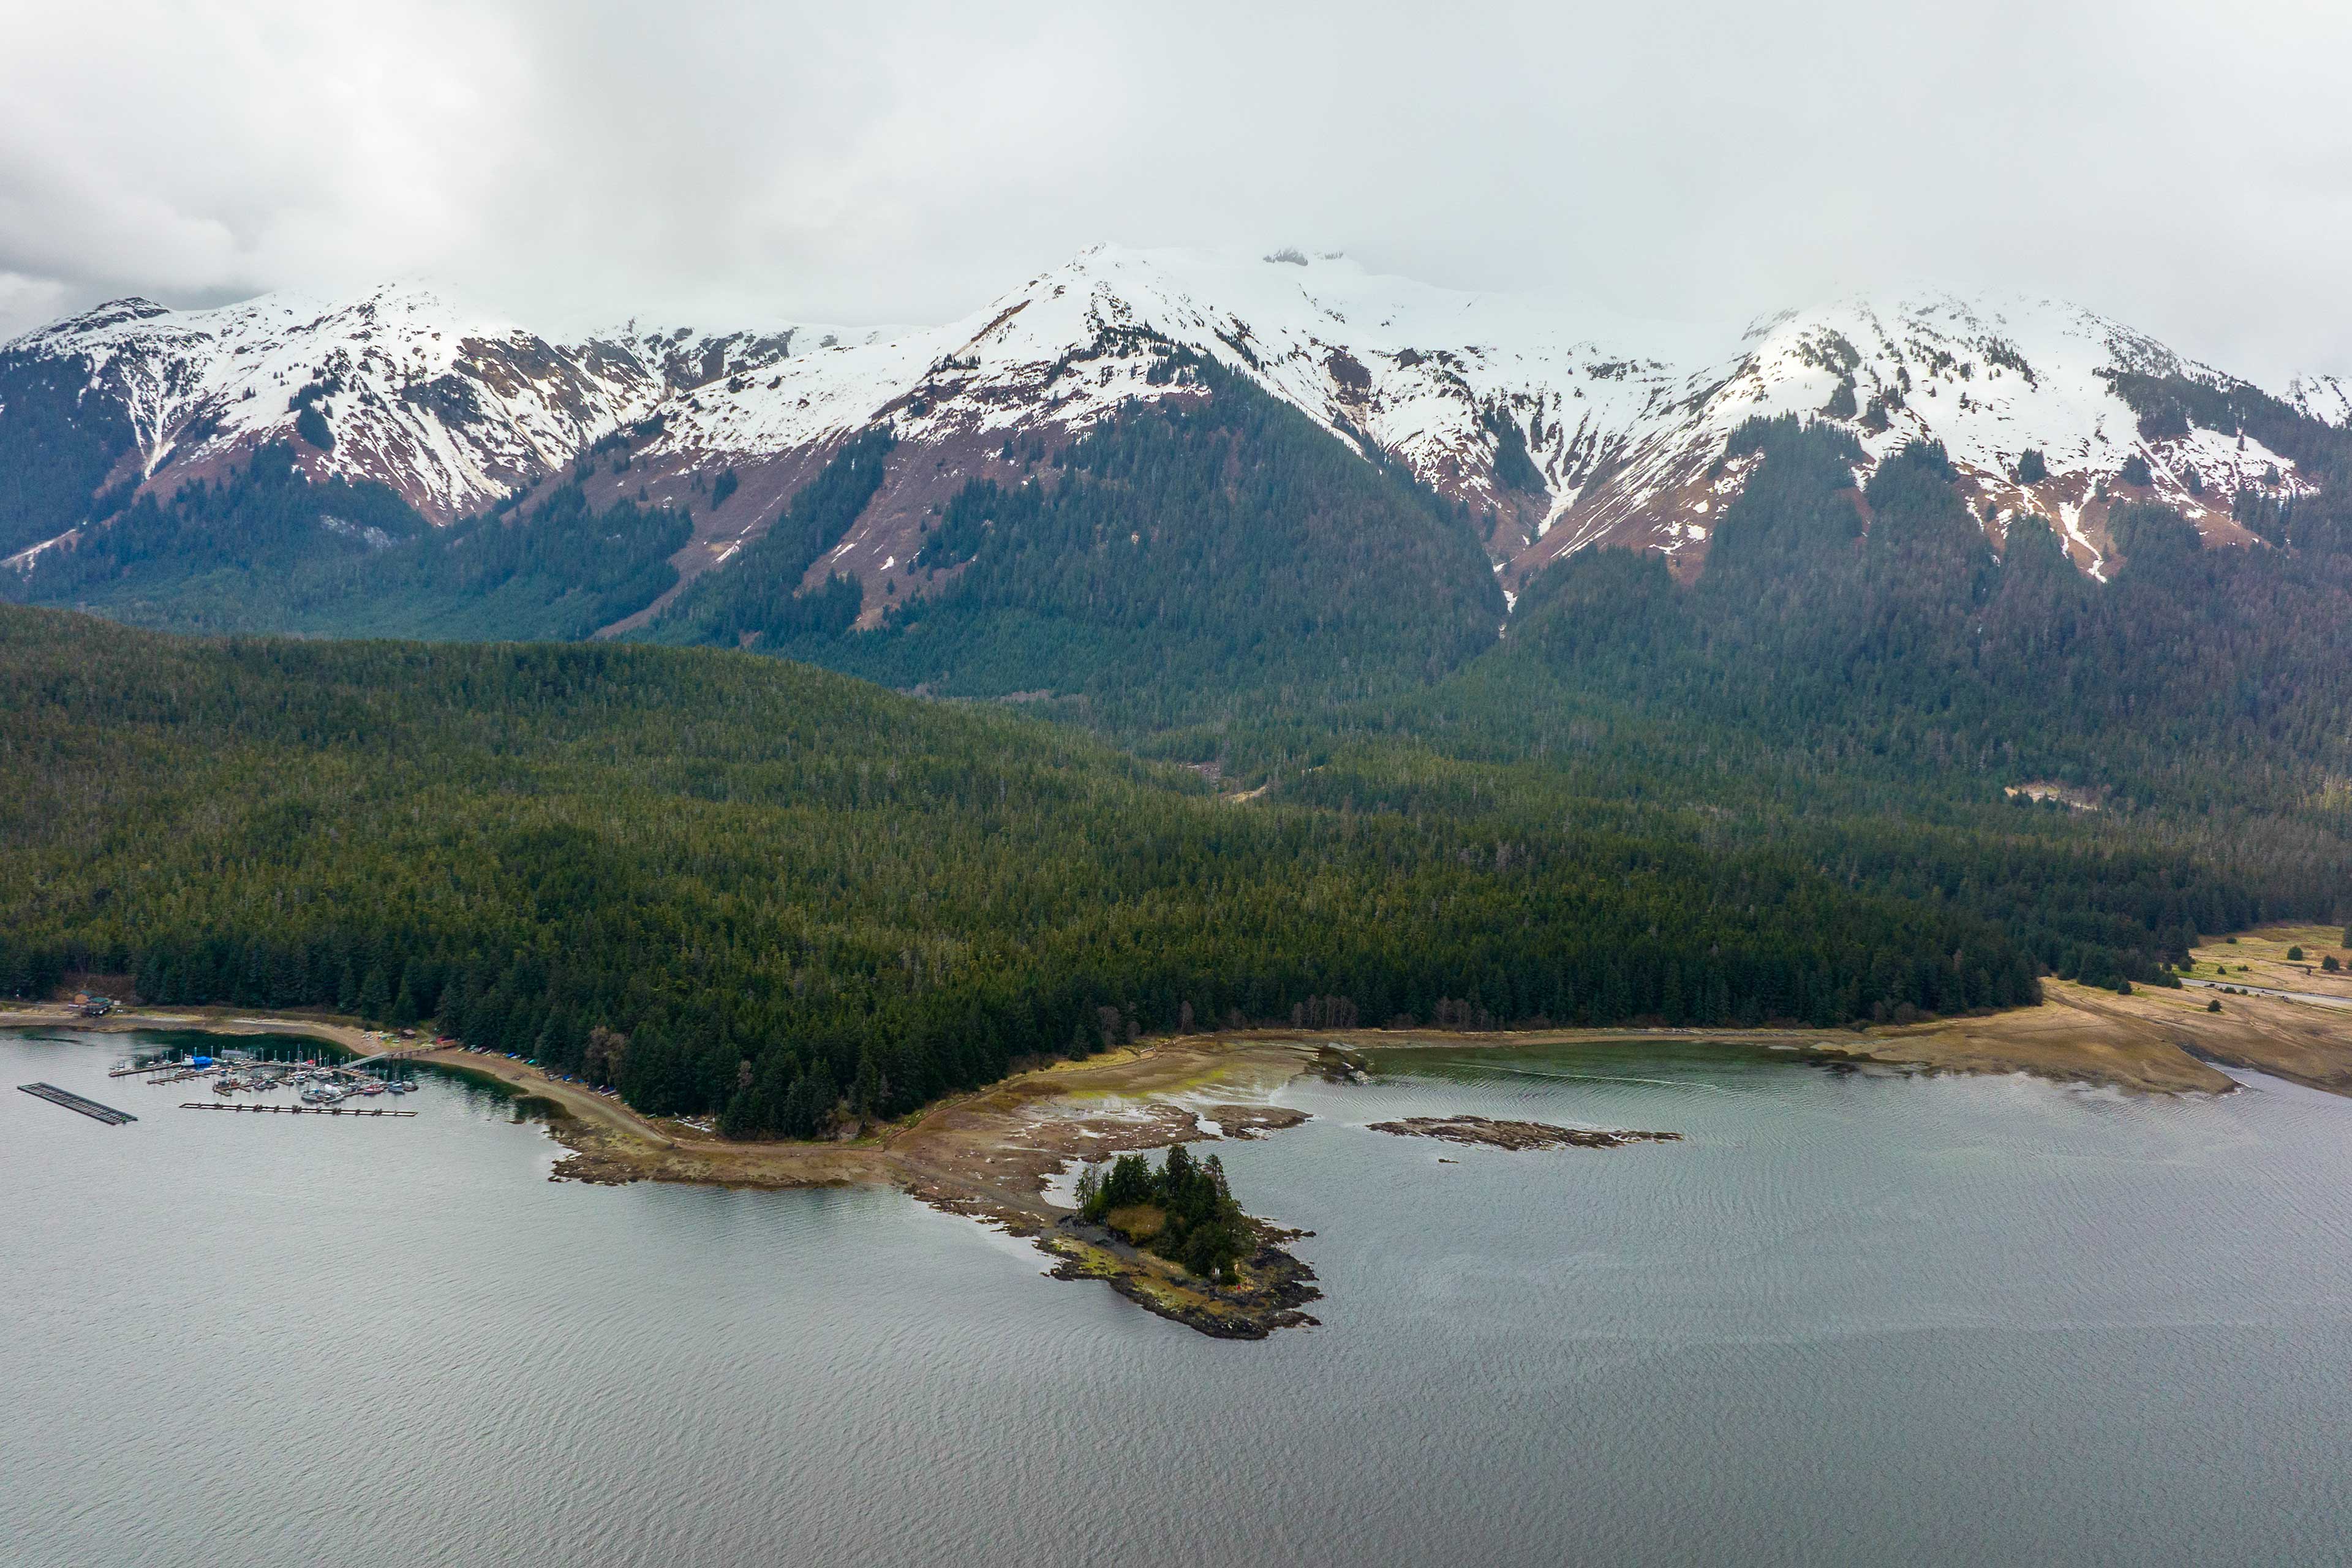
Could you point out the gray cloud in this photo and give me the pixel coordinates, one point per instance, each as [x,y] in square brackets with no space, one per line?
[2178,165]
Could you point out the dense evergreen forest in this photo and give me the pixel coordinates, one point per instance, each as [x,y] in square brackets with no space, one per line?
[267,549]
[735,884]
[56,447]
[1190,559]
[1861,680]
[1858,679]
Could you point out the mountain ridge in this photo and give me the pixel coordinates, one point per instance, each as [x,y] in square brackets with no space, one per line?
[1555,437]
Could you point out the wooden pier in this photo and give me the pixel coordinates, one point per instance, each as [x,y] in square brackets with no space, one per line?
[72,1102]
[293,1109]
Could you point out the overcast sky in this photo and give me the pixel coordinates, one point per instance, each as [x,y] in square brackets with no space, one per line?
[2187,167]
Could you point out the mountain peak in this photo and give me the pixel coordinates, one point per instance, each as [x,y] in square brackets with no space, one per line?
[98,318]
[131,307]
[449,405]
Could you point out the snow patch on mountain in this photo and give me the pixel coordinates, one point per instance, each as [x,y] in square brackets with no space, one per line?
[2326,398]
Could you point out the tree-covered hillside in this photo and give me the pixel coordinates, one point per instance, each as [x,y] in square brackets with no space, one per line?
[1859,679]
[757,599]
[56,447]
[734,884]
[266,549]
[1202,558]
[1184,560]
[1873,635]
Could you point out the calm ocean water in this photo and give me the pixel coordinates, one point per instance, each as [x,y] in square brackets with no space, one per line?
[1851,1320]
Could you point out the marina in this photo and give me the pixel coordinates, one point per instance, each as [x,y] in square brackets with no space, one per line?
[141,1069]
[295,1109]
[322,1087]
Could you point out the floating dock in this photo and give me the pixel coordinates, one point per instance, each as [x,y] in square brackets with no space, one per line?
[71,1101]
[290,1109]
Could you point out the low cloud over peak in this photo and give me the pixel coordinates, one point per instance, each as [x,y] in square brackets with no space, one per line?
[1695,160]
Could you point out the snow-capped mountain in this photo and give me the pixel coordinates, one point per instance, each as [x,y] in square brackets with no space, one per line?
[1554,436]
[1446,382]
[449,407]
[1992,379]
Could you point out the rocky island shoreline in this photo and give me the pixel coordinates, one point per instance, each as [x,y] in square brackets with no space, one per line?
[1274,1285]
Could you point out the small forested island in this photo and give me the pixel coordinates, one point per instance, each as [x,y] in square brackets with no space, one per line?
[1175,1240]
[1185,1211]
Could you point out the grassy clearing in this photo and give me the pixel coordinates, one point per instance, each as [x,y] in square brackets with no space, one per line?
[1137,1222]
[2260,957]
